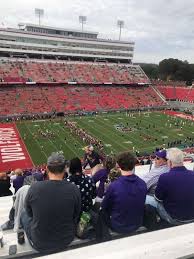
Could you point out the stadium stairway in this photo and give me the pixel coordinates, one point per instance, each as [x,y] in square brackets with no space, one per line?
[158,93]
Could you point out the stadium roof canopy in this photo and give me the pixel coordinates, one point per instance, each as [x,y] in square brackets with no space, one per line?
[27,26]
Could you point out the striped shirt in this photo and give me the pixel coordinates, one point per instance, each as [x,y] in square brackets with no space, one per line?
[151,178]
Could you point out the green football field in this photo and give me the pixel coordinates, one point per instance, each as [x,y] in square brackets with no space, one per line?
[141,132]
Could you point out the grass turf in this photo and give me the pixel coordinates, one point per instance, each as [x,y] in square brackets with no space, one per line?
[149,130]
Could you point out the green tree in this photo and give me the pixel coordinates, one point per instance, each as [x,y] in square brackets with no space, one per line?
[151,70]
[175,69]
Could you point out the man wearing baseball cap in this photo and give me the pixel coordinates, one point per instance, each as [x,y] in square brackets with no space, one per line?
[52,209]
[160,167]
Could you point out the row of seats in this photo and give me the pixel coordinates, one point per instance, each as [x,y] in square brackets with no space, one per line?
[167,83]
[70,72]
[70,99]
[180,93]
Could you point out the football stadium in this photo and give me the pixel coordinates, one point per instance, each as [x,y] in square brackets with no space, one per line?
[76,111]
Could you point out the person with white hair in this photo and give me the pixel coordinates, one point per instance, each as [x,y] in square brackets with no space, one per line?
[174,194]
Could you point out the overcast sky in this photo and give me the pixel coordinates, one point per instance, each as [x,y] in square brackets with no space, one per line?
[160,28]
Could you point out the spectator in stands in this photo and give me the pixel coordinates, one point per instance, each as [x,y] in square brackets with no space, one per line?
[52,209]
[91,157]
[174,194]
[101,176]
[18,181]
[113,175]
[123,203]
[12,176]
[88,193]
[20,197]
[4,185]
[38,175]
[84,183]
[160,167]
[18,206]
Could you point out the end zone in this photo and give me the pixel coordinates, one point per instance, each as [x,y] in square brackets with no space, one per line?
[180,115]
[13,152]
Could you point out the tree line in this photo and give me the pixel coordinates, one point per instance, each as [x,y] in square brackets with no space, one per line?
[170,69]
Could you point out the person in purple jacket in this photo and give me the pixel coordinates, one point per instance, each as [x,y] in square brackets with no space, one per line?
[101,176]
[123,203]
[18,182]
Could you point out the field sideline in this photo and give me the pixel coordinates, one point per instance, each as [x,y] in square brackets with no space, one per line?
[141,132]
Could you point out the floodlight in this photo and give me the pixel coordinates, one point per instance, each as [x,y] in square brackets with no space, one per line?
[39,13]
[120,24]
[82,20]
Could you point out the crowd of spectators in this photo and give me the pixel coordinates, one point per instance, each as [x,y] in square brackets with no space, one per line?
[34,100]
[56,203]
[68,71]
[169,82]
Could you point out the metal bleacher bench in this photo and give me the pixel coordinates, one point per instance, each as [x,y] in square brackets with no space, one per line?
[26,250]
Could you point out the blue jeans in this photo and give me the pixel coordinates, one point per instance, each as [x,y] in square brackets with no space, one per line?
[25,223]
[161,210]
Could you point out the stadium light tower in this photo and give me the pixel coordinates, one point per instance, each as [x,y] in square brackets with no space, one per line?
[120,24]
[82,20]
[39,13]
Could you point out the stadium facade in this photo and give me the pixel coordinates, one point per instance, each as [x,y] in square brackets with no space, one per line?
[34,41]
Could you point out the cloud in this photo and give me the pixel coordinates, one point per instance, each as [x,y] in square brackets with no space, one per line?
[160,29]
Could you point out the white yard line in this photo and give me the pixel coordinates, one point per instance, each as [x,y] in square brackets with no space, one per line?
[42,151]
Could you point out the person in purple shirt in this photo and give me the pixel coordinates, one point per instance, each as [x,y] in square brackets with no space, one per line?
[101,176]
[123,203]
[18,182]
[174,195]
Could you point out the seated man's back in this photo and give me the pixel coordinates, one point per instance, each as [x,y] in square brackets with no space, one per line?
[125,200]
[54,206]
[176,190]
[125,197]
[52,209]
[174,195]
